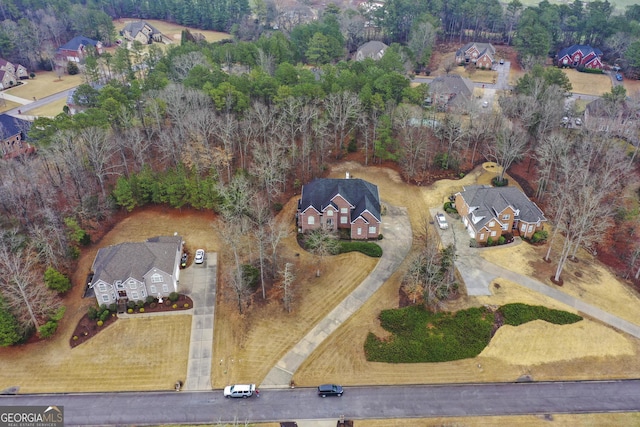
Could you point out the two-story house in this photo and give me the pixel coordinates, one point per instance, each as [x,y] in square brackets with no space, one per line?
[353,204]
[11,73]
[77,48]
[450,91]
[134,271]
[490,212]
[481,54]
[143,32]
[577,56]
[13,133]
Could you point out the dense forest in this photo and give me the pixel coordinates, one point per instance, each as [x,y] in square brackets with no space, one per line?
[236,126]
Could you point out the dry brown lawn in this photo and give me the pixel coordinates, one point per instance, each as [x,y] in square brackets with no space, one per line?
[174,31]
[561,352]
[588,84]
[6,105]
[46,83]
[246,348]
[575,420]
[51,109]
[151,353]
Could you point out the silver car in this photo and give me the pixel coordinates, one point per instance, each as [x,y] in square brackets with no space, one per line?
[199,256]
[442,221]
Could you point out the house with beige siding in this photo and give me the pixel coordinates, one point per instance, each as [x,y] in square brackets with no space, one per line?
[352,204]
[489,212]
[133,271]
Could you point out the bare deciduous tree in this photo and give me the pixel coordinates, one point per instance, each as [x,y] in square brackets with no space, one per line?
[287,286]
[509,145]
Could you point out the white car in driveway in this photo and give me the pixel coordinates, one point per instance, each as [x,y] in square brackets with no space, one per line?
[199,259]
[442,221]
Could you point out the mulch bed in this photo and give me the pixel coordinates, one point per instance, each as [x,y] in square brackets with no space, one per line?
[87,328]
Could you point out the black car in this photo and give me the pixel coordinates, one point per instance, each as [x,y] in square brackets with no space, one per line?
[330,390]
[183,261]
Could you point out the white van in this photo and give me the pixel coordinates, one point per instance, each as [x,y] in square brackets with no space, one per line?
[239,390]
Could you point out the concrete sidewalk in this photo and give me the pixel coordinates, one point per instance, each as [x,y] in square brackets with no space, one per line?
[396,244]
[200,283]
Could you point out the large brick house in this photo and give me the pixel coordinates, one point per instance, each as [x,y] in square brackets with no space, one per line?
[352,204]
[143,32]
[481,54]
[490,212]
[77,48]
[135,270]
[13,133]
[578,56]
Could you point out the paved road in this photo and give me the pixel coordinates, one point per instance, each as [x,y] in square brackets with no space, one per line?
[396,244]
[357,403]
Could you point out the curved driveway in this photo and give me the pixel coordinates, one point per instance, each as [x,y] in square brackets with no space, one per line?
[396,244]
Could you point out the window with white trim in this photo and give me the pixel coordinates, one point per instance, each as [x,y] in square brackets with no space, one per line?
[102,287]
[373,230]
[530,228]
[523,228]
[343,210]
[359,231]
[343,220]
[505,226]
[165,288]
[330,212]
[119,284]
[153,289]
[481,236]
[134,294]
[143,292]
[133,284]
[157,278]
[492,224]
[493,234]
[506,217]
[105,298]
[311,220]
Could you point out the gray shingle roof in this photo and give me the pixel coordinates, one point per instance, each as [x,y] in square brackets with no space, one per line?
[490,201]
[482,48]
[75,43]
[119,262]
[361,194]
[452,84]
[10,126]
[372,49]
[135,27]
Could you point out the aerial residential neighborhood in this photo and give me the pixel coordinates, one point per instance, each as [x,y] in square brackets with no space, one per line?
[322,213]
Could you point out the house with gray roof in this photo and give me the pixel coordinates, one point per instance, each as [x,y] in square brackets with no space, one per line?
[77,48]
[13,135]
[372,49]
[352,204]
[490,212]
[450,91]
[143,32]
[481,54]
[133,271]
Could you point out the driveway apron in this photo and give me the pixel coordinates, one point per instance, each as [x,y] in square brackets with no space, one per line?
[396,244]
[201,283]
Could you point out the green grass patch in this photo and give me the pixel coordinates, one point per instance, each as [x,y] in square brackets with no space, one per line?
[422,336]
[517,314]
[419,336]
[367,248]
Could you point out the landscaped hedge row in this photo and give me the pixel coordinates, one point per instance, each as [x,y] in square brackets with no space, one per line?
[422,336]
[367,248]
[516,314]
